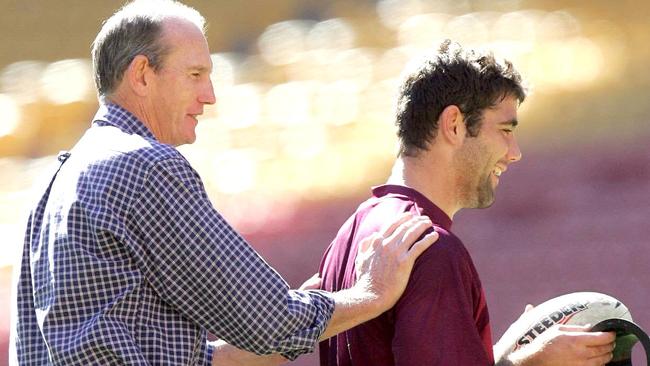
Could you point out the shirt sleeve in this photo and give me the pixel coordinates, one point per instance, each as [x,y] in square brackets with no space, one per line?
[197,262]
[434,319]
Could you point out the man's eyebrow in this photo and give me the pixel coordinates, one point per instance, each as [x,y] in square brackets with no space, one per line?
[199,68]
[512,122]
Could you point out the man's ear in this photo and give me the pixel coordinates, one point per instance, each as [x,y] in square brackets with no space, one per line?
[451,125]
[137,75]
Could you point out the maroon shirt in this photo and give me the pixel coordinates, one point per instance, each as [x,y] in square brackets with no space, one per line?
[442,317]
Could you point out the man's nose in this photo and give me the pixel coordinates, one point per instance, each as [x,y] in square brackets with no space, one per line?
[207,94]
[514,153]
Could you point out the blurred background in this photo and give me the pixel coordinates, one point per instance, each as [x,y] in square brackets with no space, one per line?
[303,127]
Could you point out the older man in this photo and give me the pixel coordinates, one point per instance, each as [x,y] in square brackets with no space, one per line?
[126,261]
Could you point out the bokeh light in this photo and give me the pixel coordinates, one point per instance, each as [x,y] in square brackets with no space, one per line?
[423,31]
[67,81]
[283,43]
[336,103]
[310,83]
[19,80]
[289,103]
[223,72]
[235,171]
[518,26]
[10,115]
[331,34]
[392,13]
[468,29]
[241,107]
[568,64]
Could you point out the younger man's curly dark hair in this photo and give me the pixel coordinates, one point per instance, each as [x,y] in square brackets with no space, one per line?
[453,76]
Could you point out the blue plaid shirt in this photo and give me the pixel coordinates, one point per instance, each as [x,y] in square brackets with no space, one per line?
[126,261]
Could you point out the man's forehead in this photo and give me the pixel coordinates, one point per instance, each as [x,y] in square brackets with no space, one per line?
[177,25]
[187,41]
[504,112]
[178,32]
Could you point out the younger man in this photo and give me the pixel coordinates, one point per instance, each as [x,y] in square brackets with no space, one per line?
[456,116]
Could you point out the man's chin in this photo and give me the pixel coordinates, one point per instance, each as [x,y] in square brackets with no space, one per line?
[188,140]
[485,199]
[486,204]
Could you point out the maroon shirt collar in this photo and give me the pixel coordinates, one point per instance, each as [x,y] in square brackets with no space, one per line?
[425,206]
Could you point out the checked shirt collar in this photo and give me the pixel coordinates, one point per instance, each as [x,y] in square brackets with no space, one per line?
[110,114]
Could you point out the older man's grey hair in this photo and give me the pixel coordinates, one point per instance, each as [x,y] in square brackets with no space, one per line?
[135,30]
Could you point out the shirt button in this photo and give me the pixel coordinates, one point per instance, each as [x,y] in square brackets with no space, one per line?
[63,156]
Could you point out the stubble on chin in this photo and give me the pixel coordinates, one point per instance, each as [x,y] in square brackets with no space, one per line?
[474,182]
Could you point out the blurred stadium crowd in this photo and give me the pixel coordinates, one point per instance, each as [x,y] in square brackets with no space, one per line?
[305,96]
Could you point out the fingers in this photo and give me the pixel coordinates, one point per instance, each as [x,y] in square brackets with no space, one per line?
[587,338]
[422,244]
[409,231]
[574,328]
[601,360]
[596,347]
[599,338]
[371,241]
[572,345]
[390,228]
[367,246]
[384,260]
[601,351]
[404,237]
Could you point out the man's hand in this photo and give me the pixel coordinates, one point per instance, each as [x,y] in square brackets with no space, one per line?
[227,355]
[383,266]
[565,345]
[384,262]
